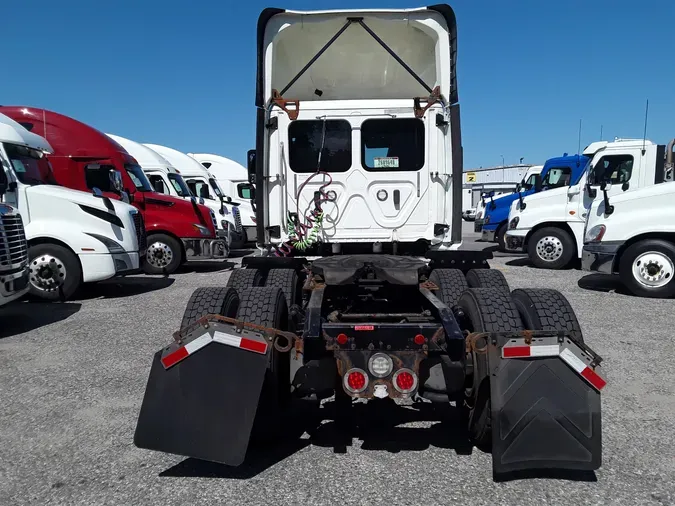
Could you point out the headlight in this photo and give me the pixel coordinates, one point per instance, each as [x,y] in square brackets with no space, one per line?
[202,230]
[513,223]
[113,246]
[486,220]
[595,234]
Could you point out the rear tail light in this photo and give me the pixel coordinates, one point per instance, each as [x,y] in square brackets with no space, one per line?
[355,381]
[405,381]
[380,365]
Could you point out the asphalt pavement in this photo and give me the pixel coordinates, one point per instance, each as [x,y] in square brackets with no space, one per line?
[72,378]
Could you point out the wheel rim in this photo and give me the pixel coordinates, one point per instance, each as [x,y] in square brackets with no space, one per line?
[159,255]
[549,248]
[653,269]
[47,273]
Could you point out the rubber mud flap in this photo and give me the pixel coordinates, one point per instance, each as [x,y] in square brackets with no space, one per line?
[204,406]
[544,415]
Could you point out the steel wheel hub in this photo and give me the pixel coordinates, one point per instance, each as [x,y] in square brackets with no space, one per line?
[47,273]
[653,269]
[549,248]
[159,255]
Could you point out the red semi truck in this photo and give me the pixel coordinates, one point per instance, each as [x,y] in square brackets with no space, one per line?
[177,230]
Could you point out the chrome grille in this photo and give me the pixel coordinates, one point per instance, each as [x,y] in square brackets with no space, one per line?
[13,246]
[139,224]
[237,218]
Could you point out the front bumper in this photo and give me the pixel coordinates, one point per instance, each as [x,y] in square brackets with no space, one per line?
[488,235]
[478,225]
[127,263]
[514,240]
[205,249]
[599,257]
[14,286]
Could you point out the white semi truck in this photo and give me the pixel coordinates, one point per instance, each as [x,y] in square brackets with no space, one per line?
[14,271]
[633,234]
[230,175]
[359,289]
[204,186]
[551,226]
[73,237]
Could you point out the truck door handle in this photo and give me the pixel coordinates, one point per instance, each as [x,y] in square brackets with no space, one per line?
[397,199]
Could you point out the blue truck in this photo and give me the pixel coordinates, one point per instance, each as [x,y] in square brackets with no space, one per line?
[560,171]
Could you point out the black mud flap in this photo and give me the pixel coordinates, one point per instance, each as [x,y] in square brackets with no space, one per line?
[201,397]
[545,405]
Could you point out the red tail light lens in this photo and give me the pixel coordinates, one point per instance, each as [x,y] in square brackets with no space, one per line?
[405,381]
[419,339]
[355,381]
[342,339]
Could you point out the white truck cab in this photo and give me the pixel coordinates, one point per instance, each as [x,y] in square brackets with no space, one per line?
[205,187]
[551,226]
[230,175]
[73,237]
[633,235]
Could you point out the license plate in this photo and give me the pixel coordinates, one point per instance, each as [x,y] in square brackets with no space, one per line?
[389,162]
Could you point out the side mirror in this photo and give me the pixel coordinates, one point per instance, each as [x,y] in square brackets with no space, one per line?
[116,180]
[201,200]
[625,186]
[605,186]
[246,191]
[97,192]
[491,194]
[228,199]
[3,181]
[204,192]
[251,164]
[537,182]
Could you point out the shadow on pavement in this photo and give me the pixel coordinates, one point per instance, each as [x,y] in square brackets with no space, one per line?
[206,266]
[26,316]
[602,283]
[238,253]
[123,287]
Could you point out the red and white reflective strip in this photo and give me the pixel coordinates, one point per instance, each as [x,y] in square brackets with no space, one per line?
[185,351]
[579,366]
[536,350]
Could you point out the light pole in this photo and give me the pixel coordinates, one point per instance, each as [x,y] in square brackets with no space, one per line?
[502,160]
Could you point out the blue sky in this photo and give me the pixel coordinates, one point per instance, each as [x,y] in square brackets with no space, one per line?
[182,73]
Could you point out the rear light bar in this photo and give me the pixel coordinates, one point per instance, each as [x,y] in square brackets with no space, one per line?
[518,348]
[405,381]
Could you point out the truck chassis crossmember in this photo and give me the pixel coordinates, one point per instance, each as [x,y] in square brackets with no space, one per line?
[373,327]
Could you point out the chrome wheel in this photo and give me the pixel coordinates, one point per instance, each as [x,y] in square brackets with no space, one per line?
[47,273]
[653,269]
[159,255]
[549,248]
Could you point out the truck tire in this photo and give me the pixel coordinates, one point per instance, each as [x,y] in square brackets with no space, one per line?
[500,237]
[164,255]
[287,280]
[55,272]
[241,279]
[647,268]
[547,309]
[451,284]
[486,311]
[487,278]
[551,248]
[266,306]
[211,300]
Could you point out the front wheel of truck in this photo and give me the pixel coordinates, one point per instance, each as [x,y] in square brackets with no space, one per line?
[55,272]
[647,268]
[164,255]
[500,237]
[551,248]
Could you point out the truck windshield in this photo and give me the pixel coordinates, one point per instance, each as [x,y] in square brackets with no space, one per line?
[179,185]
[138,177]
[216,188]
[392,144]
[557,177]
[30,165]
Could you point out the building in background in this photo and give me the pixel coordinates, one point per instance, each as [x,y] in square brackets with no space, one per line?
[497,179]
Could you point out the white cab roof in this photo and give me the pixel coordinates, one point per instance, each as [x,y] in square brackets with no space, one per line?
[13,133]
[185,164]
[221,167]
[147,158]
[594,147]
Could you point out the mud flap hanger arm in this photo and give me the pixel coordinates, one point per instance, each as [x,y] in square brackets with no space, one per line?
[278,96]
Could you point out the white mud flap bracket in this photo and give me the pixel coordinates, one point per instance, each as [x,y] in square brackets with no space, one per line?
[203,392]
[545,403]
